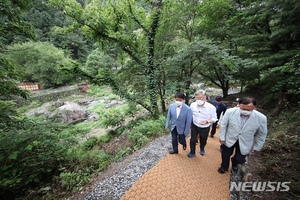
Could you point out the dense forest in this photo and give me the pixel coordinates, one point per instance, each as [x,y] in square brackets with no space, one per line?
[144,50]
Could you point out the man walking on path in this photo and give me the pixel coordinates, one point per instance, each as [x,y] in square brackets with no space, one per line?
[180,116]
[220,109]
[204,114]
[242,129]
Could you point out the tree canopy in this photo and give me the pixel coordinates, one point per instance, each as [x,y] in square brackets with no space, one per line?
[165,46]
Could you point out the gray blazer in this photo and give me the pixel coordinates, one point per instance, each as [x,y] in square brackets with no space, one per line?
[184,120]
[251,136]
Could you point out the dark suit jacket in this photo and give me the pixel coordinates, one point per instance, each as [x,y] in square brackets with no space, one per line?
[221,108]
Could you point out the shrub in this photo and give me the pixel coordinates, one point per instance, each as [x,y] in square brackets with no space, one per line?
[151,128]
[115,117]
[101,91]
[147,129]
[30,154]
[81,165]
[90,143]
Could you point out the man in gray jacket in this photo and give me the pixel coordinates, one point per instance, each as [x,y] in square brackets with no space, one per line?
[180,116]
[242,129]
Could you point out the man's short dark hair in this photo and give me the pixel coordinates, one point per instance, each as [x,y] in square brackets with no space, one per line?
[219,98]
[180,95]
[247,100]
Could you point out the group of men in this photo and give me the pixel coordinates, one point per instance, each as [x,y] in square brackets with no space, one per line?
[242,129]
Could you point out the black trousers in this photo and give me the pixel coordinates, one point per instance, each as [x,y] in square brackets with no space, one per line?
[238,158]
[203,132]
[177,137]
[213,128]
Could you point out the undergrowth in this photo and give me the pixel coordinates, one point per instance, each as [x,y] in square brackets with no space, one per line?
[279,159]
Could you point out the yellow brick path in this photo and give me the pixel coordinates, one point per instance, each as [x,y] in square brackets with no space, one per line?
[178,177]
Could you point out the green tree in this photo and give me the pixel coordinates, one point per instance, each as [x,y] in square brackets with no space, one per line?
[130,25]
[41,62]
[11,22]
[180,31]
[269,32]
[71,42]
[99,59]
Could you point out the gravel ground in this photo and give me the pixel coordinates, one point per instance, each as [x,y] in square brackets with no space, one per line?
[113,187]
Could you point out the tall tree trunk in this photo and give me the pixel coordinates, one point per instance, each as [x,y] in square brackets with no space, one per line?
[187,89]
[225,89]
[151,81]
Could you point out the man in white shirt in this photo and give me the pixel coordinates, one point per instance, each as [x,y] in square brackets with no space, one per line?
[204,113]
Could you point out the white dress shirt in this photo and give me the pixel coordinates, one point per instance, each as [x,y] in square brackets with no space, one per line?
[203,113]
[178,109]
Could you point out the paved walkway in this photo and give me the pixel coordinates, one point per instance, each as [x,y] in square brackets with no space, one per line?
[178,177]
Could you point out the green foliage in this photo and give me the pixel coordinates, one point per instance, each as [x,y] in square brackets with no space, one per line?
[287,77]
[11,24]
[101,91]
[9,76]
[8,115]
[70,41]
[114,117]
[41,62]
[11,20]
[132,28]
[138,139]
[80,129]
[145,130]
[35,152]
[81,165]
[32,154]
[106,137]
[98,59]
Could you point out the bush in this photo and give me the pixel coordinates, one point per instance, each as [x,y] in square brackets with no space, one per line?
[147,129]
[101,91]
[30,155]
[90,143]
[35,154]
[81,165]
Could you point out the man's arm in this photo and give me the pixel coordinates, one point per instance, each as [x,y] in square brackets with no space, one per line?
[260,135]
[213,116]
[223,127]
[168,119]
[188,122]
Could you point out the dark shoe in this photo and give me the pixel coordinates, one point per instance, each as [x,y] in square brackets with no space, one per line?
[221,170]
[212,136]
[202,152]
[184,147]
[191,155]
[173,152]
[235,169]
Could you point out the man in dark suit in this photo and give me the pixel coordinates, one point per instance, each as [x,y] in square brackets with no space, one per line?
[180,116]
[220,109]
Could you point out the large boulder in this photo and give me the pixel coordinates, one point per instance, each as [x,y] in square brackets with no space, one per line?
[42,110]
[69,113]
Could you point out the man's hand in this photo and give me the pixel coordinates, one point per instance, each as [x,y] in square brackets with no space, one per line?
[253,151]
[186,134]
[167,129]
[222,141]
[204,122]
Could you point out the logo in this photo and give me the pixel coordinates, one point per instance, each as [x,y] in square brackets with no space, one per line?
[260,186]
